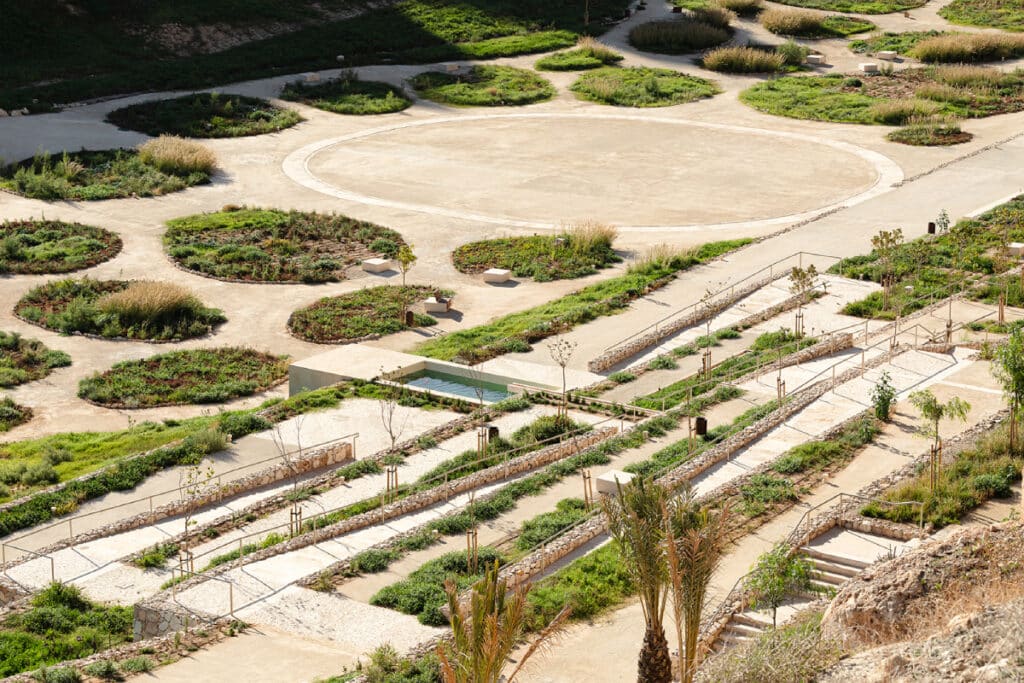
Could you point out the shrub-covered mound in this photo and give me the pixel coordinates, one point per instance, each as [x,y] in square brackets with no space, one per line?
[961,48]
[369,312]
[641,87]
[542,257]
[156,168]
[136,309]
[23,360]
[902,43]
[205,115]
[60,625]
[484,86]
[276,246]
[807,24]
[695,31]
[348,95]
[858,6]
[588,54]
[893,99]
[747,59]
[12,414]
[930,134]
[182,377]
[1004,14]
[53,246]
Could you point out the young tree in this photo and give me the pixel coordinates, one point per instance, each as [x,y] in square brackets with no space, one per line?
[802,282]
[635,522]
[883,396]
[934,412]
[887,244]
[194,482]
[487,629]
[942,222]
[1008,367]
[778,576]
[406,260]
[387,406]
[695,538]
[561,351]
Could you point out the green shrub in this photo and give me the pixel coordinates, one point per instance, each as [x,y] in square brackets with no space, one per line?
[347,94]
[622,377]
[373,311]
[104,669]
[534,531]
[373,561]
[204,115]
[137,665]
[578,252]
[61,674]
[641,87]
[1004,14]
[48,246]
[737,59]
[484,86]
[588,54]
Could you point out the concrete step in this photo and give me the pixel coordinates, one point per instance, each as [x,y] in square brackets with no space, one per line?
[748,620]
[834,568]
[814,553]
[830,578]
[742,629]
[730,638]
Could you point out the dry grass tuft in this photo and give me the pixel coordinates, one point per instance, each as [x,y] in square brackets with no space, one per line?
[792,22]
[588,237]
[714,15]
[598,51]
[177,156]
[963,76]
[149,303]
[743,60]
[969,47]
[677,36]
[741,7]
[899,112]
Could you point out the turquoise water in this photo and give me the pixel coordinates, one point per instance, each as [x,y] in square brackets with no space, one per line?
[433,380]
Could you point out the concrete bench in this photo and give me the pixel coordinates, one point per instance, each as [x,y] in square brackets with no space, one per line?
[869,68]
[608,483]
[435,305]
[886,54]
[496,276]
[452,68]
[377,265]
[311,77]
[1016,249]
[816,59]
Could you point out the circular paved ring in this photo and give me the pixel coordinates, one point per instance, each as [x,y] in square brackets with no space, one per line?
[296,167]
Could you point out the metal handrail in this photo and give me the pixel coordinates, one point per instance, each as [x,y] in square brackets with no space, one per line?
[177,490]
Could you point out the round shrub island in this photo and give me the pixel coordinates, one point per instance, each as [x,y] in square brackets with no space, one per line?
[641,87]
[928,133]
[588,54]
[12,414]
[363,314]
[151,311]
[267,245]
[157,167]
[23,360]
[743,60]
[807,24]
[184,377]
[348,95]
[1004,14]
[895,99]
[857,6]
[484,86]
[698,30]
[205,115]
[576,253]
[43,246]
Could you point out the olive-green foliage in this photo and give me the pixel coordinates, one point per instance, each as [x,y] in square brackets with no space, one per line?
[929,133]
[347,94]
[23,360]
[567,512]
[276,246]
[815,455]
[484,86]
[205,115]
[590,585]
[61,624]
[903,43]
[542,257]
[199,376]
[359,314]
[12,414]
[589,54]
[47,246]
[88,175]
[1004,14]
[641,87]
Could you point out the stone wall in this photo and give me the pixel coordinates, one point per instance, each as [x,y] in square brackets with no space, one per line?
[632,347]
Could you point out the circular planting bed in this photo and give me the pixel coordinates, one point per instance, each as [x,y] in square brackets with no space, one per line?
[930,135]
[543,257]
[693,32]
[806,24]
[363,314]
[150,311]
[205,115]
[12,414]
[589,54]
[53,246]
[641,87]
[184,377]
[23,360]
[157,167]
[484,86]
[348,95]
[1005,14]
[896,99]
[857,6]
[267,245]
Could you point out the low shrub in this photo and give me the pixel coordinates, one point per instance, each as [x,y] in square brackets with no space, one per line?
[184,377]
[104,669]
[24,360]
[663,363]
[205,115]
[678,36]
[11,415]
[484,86]
[588,54]
[137,665]
[45,246]
[177,156]
[118,308]
[737,59]
[763,490]
[641,87]
[744,8]
[929,133]
[347,94]
[807,24]
[534,531]
[1003,14]
[622,377]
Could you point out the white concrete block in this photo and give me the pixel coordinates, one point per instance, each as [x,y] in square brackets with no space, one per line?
[497,275]
[452,68]
[869,68]
[434,305]
[311,77]
[608,483]
[1016,248]
[816,59]
[886,54]
[376,265]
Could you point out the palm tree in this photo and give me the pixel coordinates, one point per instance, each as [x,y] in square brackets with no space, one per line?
[635,522]
[487,629]
[695,539]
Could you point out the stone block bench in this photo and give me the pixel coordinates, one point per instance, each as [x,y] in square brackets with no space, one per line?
[886,54]
[608,483]
[496,276]
[869,68]
[816,59]
[377,265]
[437,305]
